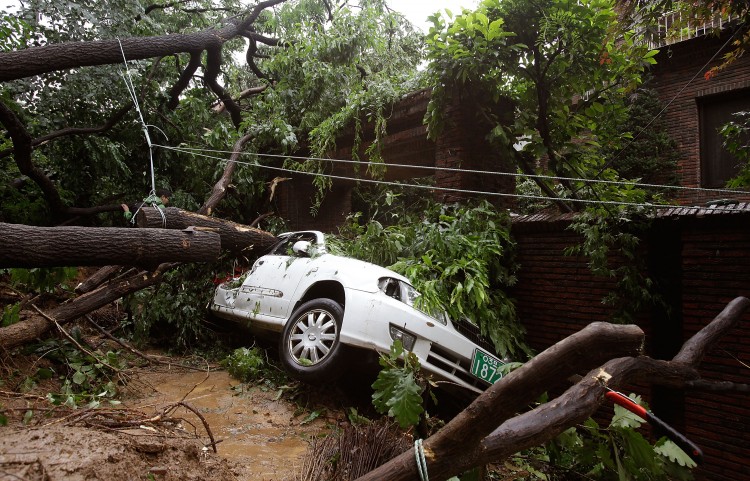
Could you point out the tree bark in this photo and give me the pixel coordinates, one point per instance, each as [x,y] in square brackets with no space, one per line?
[471,439]
[237,238]
[220,188]
[27,246]
[30,329]
[49,58]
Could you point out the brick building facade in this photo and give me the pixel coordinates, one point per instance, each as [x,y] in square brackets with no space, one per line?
[696,107]
[701,261]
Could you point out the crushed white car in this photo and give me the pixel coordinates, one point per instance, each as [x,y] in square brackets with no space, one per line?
[322,303]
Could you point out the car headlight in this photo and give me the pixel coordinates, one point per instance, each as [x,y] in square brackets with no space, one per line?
[407,339]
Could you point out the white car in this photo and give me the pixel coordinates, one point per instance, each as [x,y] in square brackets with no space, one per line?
[321,303]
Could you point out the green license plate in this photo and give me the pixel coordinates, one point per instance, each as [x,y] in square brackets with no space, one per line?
[486,366]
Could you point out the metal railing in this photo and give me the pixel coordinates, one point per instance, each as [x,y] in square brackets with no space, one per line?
[675,27]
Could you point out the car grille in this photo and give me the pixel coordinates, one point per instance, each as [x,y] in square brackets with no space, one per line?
[449,363]
[472,333]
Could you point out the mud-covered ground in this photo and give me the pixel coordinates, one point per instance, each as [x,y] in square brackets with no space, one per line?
[261,433]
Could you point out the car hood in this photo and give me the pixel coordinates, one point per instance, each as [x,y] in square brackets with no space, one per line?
[352,273]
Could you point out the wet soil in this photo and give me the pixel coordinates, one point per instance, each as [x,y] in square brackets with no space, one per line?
[260,434]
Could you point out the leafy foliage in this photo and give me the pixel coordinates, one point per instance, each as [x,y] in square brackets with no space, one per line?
[10,314]
[88,377]
[245,364]
[459,257]
[398,392]
[614,452]
[367,51]
[174,311]
[42,279]
[651,156]
[607,234]
[540,55]
[736,135]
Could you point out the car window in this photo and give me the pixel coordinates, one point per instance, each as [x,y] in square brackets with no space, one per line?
[284,248]
[406,293]
[390,287]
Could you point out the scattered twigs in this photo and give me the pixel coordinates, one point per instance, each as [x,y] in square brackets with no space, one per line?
[208,373]
[131,349]
[357,450]
[22,395]
[73,340]
[200,416]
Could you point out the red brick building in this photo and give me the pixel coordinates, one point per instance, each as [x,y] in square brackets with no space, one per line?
[697,106]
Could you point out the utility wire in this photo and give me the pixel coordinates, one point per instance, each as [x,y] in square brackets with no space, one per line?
[192,150]
[427,187]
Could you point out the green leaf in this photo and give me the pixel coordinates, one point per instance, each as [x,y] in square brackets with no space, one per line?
[625,418]
[638,450]
[79,377]
[312,416]
[674,453]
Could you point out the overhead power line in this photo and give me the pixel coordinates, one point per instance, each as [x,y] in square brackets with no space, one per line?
[192,150]
[198,152]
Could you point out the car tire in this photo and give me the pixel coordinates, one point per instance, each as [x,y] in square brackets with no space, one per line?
[310,348]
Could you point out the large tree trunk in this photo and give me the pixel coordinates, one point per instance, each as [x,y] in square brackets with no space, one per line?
[27,246]
[49,58]
[238,238]
[489,431]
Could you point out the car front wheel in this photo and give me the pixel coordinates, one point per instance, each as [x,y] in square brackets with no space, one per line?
[310,348]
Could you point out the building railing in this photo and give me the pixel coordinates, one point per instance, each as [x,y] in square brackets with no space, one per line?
[675,27]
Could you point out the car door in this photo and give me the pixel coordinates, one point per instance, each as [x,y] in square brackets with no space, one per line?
[268,290]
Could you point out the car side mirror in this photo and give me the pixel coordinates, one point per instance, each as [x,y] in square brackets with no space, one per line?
[301,247]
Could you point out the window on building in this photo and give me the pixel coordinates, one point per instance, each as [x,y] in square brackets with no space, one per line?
[718,165]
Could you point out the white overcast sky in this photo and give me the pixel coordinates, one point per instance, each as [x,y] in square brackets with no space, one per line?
[417,11]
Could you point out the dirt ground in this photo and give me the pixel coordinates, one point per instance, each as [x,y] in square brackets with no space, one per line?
[260,434]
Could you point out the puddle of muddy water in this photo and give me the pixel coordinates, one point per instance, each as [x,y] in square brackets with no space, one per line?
[256,430]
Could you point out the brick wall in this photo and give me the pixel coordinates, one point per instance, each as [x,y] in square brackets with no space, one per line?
[462,145]
[701,264]
[679,79]
[296,196]
[716,269]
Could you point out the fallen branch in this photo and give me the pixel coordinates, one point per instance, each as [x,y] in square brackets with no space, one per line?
[487,431]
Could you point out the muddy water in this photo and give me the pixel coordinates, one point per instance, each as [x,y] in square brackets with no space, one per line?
[259,432]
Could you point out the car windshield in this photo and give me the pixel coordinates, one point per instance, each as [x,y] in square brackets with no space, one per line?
[406,293]
[284,247]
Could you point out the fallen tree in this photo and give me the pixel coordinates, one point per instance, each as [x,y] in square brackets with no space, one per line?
[31,246]
[30,329]
[488,430]
[235,237]
[97,292]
